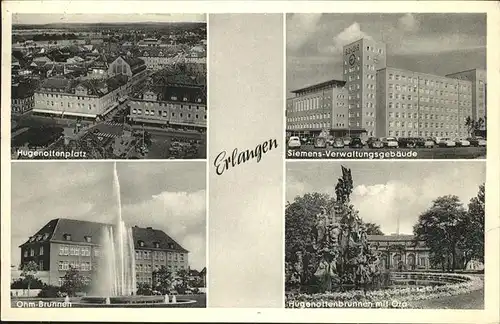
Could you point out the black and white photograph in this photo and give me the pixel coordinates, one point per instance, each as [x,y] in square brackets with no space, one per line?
[108,86]
[386,86]
[406,235]
[113,234]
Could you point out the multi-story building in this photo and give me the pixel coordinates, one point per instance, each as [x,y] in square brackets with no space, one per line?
[22,98]
[385,101]
[319,107]
[361,61]
[417,104]
[479,82]
[401,251]
[87,99]
[64,243]
[177,100]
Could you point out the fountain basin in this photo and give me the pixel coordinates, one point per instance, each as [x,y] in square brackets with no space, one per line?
[130,301]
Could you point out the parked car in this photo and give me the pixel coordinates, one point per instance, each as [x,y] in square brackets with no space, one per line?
[408,142]
[446,142]
[347,140]
[356,142]
[329,140]
[338,142]
[320,142]
[477,141]
[390,142]
[429,142]
[462,142]
[294,142]
[375,143]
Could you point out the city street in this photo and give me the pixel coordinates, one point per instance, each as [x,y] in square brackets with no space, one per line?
[418,153]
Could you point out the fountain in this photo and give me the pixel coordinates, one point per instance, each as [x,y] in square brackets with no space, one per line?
[115,283]
[337,263]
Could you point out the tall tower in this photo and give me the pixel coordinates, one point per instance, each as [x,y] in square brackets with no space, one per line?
[362,59]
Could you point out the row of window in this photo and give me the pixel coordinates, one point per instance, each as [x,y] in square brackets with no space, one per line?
[79,105]
[399,105]
[424,125]
[167,105]
[158,255]
[311,125]
[80,266]
[427,82]
[164,114]
[77,250]
[149,268]
[415,89]
[86,280]
[310,117]
[31,252]
[424,116]
[425,133]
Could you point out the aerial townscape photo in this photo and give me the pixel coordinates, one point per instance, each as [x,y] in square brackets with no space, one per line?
[109,86]
[135,238]
[386,85]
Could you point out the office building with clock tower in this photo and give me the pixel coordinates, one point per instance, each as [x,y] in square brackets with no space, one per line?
[361,61]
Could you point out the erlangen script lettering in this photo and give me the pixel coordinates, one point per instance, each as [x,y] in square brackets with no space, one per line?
[223,163]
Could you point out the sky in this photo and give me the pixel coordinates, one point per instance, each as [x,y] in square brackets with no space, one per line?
[167,196]
[427,43]
[104,18]
[384,191]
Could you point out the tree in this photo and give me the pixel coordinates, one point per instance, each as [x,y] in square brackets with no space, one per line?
[182,281]
[441,227]
[473,242]
[474,125]
[28,272]
[73,282]
[162,280]
[373,229]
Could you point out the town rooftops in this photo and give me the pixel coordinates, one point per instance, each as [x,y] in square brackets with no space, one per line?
[58,84]
[63,230]
[329,83]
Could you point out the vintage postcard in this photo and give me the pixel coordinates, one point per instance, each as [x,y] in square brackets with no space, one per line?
[260,161]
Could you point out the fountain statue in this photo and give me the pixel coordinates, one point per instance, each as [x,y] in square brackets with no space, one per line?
[116,276]
[345,258]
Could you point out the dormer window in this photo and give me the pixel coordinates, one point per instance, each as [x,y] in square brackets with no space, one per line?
[170,245]
[67,237]
[157,245]
[32,238]
[88,239]
[141,243]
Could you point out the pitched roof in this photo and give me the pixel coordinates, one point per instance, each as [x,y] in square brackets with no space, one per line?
[150,236]
[56,83]
[55,230]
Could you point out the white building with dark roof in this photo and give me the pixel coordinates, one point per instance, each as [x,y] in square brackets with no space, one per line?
[74,98]
[64,243]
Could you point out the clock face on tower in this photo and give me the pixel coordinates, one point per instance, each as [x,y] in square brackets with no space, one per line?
[352,59]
